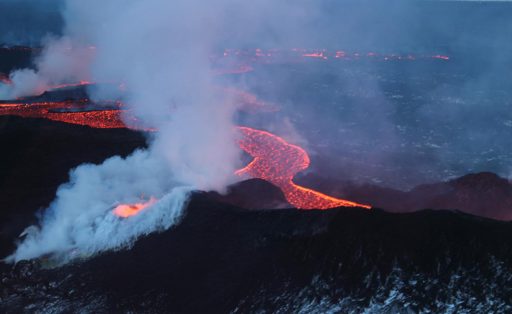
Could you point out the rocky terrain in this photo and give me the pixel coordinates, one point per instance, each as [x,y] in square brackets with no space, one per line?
[232,254]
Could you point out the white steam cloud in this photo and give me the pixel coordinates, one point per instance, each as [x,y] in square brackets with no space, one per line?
[61,61]
[160,50]
[80,222]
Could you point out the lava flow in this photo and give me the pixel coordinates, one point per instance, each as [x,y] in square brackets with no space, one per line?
[277,162]
[69,85]
[99,119]
[128,210]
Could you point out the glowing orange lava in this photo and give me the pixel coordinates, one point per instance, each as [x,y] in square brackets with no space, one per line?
[235,69]
[100,119]
[258,56]
[81,83]
[78,111]
[277,162]
[128,210]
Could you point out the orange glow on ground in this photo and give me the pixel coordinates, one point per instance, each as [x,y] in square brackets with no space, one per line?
[128,210]
[277,162]
[99,119]
[265,56]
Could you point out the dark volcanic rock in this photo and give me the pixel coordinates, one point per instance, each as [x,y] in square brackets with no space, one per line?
[17,57]
[60,94]
[253,194]
[36,158]
[77,93]
[482,194]
[221,258]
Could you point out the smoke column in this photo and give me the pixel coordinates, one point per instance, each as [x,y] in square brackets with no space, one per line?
[61,61]
[160,50]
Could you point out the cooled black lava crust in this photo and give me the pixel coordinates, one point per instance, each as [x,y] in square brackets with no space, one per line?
[223,258]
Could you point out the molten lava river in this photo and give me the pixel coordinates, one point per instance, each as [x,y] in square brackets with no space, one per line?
[275,160]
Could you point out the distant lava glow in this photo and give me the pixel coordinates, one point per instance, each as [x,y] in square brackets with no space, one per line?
[4,79]
[81,83]
[260,56]
[442,57]
[277,162]
[128,210]
[315,55]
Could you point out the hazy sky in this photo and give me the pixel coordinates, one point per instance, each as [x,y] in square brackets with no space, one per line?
[394,24]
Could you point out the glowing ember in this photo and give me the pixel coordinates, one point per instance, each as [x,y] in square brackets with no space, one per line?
[277,161]
[128,210]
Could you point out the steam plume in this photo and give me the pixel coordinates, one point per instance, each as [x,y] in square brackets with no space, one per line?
[160,50]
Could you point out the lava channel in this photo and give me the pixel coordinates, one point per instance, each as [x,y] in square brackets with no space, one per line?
[277,162]
[56,111]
